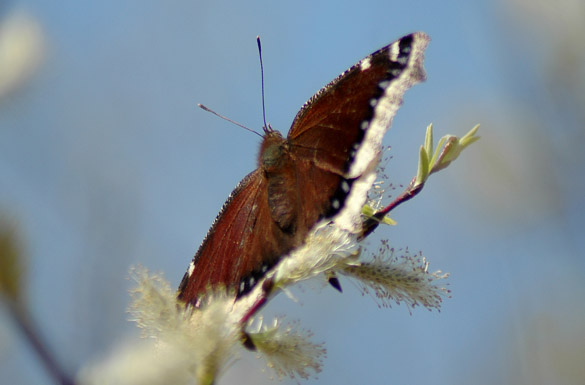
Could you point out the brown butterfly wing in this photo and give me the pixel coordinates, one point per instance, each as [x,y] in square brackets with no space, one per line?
[330,127]
[243,242]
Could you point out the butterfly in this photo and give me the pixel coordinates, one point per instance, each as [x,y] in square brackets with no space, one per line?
[307,176]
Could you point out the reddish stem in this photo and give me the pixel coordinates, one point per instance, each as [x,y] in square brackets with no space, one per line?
[261,302]
[410,192]
[267,288]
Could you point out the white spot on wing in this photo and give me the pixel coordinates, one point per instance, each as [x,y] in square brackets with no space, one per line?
[191,268]
[345,186]
[394,51]
[366,63]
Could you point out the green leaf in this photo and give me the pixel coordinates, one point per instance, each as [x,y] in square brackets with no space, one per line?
[429,140]
[423,166]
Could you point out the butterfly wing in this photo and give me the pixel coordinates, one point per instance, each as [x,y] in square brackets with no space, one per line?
[331,130]
[243,242]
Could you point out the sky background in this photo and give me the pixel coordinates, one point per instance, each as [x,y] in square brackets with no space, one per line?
[105,162]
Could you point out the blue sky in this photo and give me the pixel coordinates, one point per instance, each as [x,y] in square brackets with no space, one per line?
[106,162]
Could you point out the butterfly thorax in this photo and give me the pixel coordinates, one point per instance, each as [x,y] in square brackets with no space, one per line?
[278,170]
[272,152]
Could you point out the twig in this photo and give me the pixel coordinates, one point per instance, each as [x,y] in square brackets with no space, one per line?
[22,320]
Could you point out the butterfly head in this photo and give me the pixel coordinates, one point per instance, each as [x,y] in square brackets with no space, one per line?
[267,128]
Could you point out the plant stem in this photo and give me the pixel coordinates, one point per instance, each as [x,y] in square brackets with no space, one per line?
[23,322]
[410,192]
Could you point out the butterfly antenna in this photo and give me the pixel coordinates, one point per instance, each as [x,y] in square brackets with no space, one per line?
[228,119]
[262,77]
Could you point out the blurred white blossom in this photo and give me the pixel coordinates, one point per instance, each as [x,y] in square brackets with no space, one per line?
[186,343]
[288,350]
[21,49]
[397,276]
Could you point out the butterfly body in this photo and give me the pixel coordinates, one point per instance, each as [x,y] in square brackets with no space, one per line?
[308,175]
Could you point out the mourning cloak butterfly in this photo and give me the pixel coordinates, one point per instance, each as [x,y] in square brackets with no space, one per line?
[307,176]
